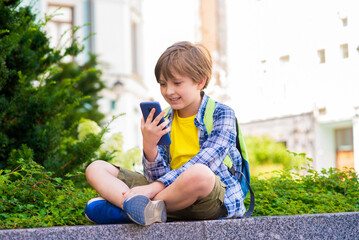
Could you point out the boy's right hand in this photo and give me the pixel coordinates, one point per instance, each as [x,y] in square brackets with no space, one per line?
[152,133]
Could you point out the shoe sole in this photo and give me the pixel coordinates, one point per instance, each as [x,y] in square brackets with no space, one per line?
[89,219]
[154,211]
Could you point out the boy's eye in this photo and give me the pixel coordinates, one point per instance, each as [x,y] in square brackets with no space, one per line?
[162,84]
[177,83]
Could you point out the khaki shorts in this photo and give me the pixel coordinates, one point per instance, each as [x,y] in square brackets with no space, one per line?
[210,207]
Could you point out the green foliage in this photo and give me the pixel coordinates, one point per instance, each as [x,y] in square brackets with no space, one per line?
[89,83]
[266,155]
[41,104]
[112,147]
[289,193]
[80,152]
[31,197]
[42,99]
[30,115]
[24,49]
[131,159]
[86,127]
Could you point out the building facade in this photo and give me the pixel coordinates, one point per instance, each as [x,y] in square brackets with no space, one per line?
[288,68]
[294,59]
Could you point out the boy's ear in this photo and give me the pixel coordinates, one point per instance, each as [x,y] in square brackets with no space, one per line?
[201,83]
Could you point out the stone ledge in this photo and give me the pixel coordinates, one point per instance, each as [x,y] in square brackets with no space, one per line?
[313,226]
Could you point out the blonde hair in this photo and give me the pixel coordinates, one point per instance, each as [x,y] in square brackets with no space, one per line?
[185,58]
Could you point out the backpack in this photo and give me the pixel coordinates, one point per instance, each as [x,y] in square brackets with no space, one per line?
[244,178]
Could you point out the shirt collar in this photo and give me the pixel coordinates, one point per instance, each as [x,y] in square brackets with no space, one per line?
[198,121]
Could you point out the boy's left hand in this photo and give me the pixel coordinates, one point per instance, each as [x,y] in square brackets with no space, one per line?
[150,190]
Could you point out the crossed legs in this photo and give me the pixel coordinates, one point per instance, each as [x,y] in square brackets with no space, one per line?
[194,184]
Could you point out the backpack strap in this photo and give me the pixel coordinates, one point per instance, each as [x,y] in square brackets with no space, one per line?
[240,142]
[208,115]
[167,110]
[208,122]
[252,199]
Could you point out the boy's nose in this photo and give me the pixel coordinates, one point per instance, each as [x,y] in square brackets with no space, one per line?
[169,90]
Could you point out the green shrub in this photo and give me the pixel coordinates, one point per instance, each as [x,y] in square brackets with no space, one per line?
[289,193]
[266,155]
[112,147]
[31,197]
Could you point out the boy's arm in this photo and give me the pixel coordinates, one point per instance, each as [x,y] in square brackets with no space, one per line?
[214,149]
[150,190]
[158,168]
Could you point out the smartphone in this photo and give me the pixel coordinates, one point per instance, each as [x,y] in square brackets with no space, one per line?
[146,108]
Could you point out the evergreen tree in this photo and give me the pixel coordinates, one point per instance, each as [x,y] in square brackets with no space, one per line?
[34,100]
[90,84]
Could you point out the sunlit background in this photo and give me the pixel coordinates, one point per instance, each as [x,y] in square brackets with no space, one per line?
[288,68]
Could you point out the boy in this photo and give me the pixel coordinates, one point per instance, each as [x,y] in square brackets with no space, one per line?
[186,180]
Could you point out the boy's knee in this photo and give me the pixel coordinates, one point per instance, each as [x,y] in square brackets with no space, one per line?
[201,170]
[94,167]
[100,168]
[200,174]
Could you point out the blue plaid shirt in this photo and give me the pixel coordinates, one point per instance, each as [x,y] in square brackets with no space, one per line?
[213,149]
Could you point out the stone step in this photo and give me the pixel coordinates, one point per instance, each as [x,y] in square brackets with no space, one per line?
[311,226]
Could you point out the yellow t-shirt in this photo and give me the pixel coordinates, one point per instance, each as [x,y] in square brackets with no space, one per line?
[184,137]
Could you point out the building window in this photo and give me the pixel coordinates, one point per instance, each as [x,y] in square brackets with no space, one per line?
[134,50]
[113,105]
[344,139]
[321,55]
[283,143]
[344,50]
[59,27]
[284,59]
[264,65]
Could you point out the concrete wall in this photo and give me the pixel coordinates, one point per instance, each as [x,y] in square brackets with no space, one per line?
[309,133]
[298,132]
[356,141]
[325,155]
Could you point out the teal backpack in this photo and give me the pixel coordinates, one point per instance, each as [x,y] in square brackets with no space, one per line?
[244,177]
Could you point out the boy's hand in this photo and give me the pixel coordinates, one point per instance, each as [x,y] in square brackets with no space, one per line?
[152,133]
[150,190]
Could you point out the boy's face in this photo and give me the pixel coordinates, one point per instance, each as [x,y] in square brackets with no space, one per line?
[182,93]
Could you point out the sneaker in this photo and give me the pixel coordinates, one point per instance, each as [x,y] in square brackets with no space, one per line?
[100,211]
[143,211]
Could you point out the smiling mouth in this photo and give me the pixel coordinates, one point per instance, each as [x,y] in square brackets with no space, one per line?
[174,99]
